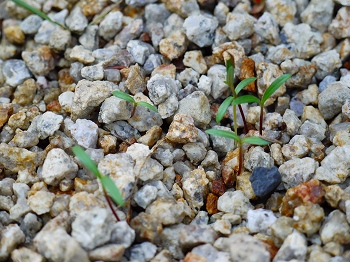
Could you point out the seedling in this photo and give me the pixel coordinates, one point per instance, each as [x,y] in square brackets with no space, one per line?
[267,94]
[130,99]
[109,188]
[37,12]
[230,76]
[253,140]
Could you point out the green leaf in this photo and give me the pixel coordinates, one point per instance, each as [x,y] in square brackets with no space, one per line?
[223,133]
[255,140]
[112,190]
[244,83]
[86,160]
[245,99]
[223,107]
[274,86]
[124,96]
[147,105]
[230,73]
[37,12]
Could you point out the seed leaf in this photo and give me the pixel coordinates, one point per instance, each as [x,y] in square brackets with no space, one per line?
[230,73]
[245,99]
[223,133]
[223,107]
[244,83]
[37,12]
[124,96]
[86,160]
[255,140]
[147,105]
[112,190]
[274,86]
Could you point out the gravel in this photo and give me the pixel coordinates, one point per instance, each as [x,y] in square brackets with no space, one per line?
[185,200]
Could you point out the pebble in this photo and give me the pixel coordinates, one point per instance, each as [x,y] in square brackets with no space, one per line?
[129,32]
[31,24]
[182,8]
[298,147]
[260,220]
[107,252]
[267,27]
[161,88]
[81,54]
[200,28]
[222,144]
[282,10]
[11,237]
[194,235]
[318,14]
[41,202]
[85,132]
[139,50]
[327,63]
[174,45]
[15,72]
[335,228]
[239,25]
[234,202]
[265,180]
[217,75]
[294,247]
[292,122]
[17,255]
[334,167]
[53,170]
[256,157]
[60,40]
[93,73]
[110,25]
[308,218]
[339,25]
[113,109]
[89,39]
[279,54]
[76,20]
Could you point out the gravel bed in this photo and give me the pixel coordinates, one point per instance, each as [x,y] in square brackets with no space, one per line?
[185,200]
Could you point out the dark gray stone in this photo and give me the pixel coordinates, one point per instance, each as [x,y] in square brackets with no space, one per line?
[265,180]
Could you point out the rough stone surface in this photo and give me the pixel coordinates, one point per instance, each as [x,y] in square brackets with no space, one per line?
[265,180]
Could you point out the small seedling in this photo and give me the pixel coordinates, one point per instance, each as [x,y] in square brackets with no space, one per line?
[253,140]
[37,12]
[230,76]
[267,94]
[109,188]
[130,99]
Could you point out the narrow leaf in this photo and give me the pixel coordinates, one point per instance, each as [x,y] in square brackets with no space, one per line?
[245,99]
[124,96]
[223,133]
[274,86]
[244,83]
[147,105]
[230,73]
[86,160]
[255,140]
[112,190]
[223,107]
[37,12]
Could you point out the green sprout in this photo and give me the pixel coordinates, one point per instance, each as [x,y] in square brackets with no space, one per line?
[235,91]
[267,94]
[37,12]
[109,188]
[252,140]
[130,99]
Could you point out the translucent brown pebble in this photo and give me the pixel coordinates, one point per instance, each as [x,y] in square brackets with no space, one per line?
[146,227]
[228,171]
[310,192]
[65,81]
[247,71]
[54,106]
[211,205]
[218,187]
[6,111]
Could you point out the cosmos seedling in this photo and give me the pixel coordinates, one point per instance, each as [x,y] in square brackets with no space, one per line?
[252,140]
[130,99]
[109,188]
[267,94]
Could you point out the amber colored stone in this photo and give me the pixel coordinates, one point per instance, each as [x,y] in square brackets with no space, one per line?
[14,34]
[6,111]
[54,106]
[270,246]
[146,227]
[145,37]
[310,192]
[65,81]
[192,257]
[218,187]
[247,71]
[229,168]
[178,179]
[212,203]
[108,143]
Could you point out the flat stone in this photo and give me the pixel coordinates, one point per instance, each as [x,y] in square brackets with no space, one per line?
[265,180]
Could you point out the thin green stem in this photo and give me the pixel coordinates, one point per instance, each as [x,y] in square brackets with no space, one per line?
[261,119]
[235,125]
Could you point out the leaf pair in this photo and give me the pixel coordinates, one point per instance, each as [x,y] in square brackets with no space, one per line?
[253,140]
[130,99]
[106,181]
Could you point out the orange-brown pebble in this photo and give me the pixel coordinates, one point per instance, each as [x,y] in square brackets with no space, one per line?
[270,246]
[229,168]
[14,34]
[6,111]
[108,143]
[248,70]
[218,187]
[65,81]
[212,203]
[54,106]
[310,192]
[192,257]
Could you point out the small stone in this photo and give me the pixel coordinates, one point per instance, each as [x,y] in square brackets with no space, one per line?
[15,72]
[335,228]
[331,100]
[279,54]
[129,32]
[93,73]
[31,24]
[85,132]
[334,167]
[142,252]
[211,204]
[217,74]
[195,60]
[194,235]
[265,180]
[340,24]
[113,109]
[139,50]
[292,122]
[195,151]
[136,81]
[327,63]
[160,88]
[260,220]
[310,192]
[60,40]
[282,10]
[222,144]
[312,130]
[76,21]
[110,25]
[173,46]
[239,25]
[308,218]
[267,28]
[11,237]
[187,77]
[14,34]
[82,55]
[182,8]
[294,247]
[318,14]
[110,252]
[234,202]
[298,147]
[182,129]
[41,202]
[25,254]
[256,157]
